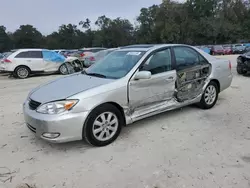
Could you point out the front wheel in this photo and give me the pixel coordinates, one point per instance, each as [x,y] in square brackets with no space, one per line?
[103,125]
[210,96]
[63,69]
[240,70]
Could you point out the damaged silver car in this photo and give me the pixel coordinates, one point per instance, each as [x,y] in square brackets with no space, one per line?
[129,84]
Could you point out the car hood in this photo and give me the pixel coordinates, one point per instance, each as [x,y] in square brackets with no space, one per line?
[65,87]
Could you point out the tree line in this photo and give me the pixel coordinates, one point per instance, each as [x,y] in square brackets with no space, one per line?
[194,22]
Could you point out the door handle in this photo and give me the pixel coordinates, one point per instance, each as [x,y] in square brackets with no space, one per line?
[28,60]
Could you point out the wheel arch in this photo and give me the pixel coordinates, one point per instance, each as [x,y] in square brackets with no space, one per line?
[119,107]
[21,66]
[217,82]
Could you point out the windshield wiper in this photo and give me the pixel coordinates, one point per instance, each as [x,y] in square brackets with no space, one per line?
[95,74]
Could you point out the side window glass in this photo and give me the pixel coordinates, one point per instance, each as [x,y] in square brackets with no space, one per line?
[22,55]
[158,62]
[186,57]
[35,54]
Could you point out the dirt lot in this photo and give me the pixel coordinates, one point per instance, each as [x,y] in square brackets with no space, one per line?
[188,147]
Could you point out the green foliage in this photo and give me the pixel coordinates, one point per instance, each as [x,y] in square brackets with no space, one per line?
[193,22]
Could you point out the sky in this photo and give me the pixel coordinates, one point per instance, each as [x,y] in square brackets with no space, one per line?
[48,15]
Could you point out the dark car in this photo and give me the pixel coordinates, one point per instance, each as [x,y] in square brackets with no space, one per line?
[243,63]
[239,49]
[217,50]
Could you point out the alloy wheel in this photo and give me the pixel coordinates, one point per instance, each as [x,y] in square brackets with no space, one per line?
[105,126]
[210,94]
[22,72]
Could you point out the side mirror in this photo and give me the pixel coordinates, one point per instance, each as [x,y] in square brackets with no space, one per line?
[142,75]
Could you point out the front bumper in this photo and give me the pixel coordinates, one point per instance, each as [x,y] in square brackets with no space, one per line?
[67,125]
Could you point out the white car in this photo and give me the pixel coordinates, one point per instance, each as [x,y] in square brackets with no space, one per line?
[24,62]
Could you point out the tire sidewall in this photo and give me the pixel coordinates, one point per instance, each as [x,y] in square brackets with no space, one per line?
[239,69]
[63,65]
[16,72]
[87,128]
[203,104]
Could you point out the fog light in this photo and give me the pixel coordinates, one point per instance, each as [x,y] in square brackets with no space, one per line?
[51,135]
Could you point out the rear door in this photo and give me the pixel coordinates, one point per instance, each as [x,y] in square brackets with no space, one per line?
[192,71]
[32,59]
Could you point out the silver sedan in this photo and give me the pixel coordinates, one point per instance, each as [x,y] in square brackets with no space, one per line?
[130,84]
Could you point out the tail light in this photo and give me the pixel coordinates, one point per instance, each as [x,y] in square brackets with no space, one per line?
[230,65]
[92,58]
[6,61]
[82,54]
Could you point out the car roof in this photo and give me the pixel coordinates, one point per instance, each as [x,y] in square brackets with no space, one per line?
[147,47]
[29,49]
[92,48]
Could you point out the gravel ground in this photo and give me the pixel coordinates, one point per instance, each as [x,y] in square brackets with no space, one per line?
[188,147]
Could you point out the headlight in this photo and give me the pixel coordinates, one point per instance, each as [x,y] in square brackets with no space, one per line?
[56,107]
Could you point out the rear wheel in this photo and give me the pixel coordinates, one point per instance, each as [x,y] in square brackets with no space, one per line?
[22,72]
[103,125]
[210,96]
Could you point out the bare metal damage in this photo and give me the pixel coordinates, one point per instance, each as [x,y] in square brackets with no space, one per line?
[190,82]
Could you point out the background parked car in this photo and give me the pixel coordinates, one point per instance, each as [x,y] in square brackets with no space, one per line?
[243,63]
[227,49]
[247,49]
[6,54]
[205,49]
[1,56]
[81,54]
[24,62]
[217,50]
[97,56]
[238,49]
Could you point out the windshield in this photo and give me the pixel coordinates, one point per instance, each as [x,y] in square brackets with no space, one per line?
[115,65]
[240,47]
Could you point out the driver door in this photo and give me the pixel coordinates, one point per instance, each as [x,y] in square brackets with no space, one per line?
[146,93]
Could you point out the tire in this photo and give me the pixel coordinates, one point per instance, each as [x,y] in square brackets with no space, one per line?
[95,122]
[63,69]
[240,70]
[205,102]
[22,72]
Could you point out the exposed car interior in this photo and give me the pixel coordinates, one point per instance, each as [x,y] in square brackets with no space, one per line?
[192,71]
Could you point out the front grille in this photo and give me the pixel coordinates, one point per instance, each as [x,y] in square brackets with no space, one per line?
[34,104]
[33,129]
